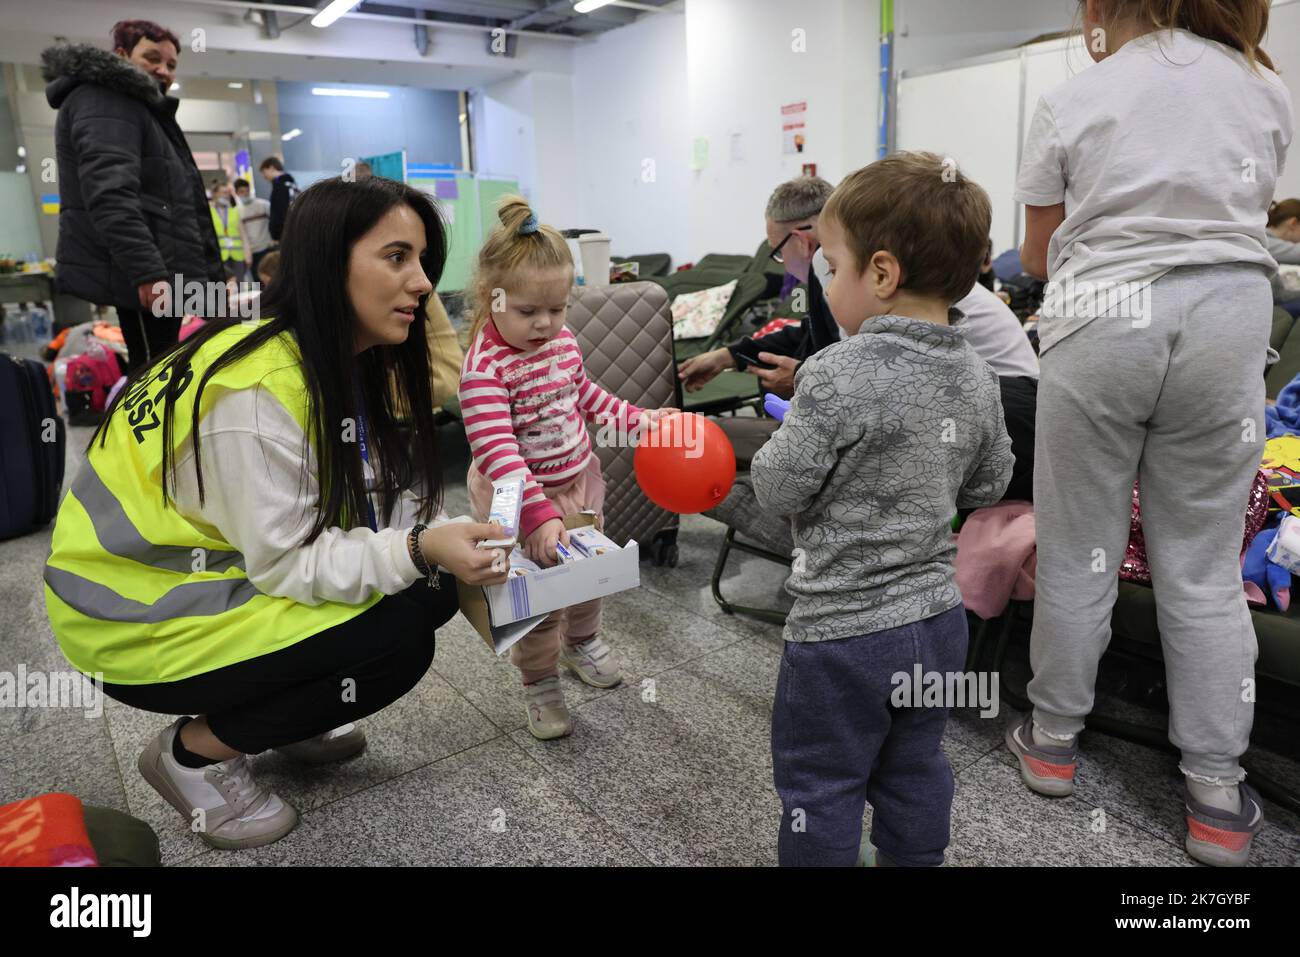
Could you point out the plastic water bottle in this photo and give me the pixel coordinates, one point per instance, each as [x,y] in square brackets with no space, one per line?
[40,324]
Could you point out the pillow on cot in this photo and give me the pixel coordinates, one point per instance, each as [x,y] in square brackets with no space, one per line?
[697,314]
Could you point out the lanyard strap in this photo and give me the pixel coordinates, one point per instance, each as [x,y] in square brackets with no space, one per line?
[365,457]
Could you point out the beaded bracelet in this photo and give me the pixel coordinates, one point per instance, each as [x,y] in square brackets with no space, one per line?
[421,563]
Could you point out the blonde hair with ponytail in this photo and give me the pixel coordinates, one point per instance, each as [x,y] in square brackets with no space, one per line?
[1239,24]
[518,244]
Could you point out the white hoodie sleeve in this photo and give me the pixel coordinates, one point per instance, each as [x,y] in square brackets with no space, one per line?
[259,497]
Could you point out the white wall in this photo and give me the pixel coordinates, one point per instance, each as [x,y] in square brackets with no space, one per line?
[742,65]
[503,131]
[555,180]
[630,99]
[616,154]
[524,130]
[721,72]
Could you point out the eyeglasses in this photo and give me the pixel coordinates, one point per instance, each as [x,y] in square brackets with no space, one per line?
[776,255]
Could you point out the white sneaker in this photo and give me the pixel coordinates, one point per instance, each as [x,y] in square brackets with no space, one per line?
[342,742]
[593,662]
[548,715]
[236,812]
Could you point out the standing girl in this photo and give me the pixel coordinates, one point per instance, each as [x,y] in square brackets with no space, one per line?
[1147,181]
[526,400]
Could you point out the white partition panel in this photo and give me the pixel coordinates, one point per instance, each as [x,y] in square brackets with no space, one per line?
[971,113]
[1283,46]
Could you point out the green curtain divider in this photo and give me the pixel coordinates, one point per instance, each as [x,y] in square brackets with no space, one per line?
[471,214]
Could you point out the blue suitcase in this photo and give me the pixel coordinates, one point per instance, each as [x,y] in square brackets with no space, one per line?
[33,443]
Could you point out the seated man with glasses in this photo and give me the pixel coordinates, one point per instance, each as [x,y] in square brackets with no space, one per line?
[792,213]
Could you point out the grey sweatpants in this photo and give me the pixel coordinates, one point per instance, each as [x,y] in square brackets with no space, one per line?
[1179,405]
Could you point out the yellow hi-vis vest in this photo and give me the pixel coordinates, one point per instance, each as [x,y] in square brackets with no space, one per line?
[139,592]
[232,246]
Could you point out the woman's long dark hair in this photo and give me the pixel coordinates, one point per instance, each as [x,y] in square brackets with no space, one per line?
[309,299]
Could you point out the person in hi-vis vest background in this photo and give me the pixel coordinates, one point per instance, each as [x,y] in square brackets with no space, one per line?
[232,237]
[251,538]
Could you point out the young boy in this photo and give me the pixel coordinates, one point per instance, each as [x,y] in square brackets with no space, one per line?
[889,433]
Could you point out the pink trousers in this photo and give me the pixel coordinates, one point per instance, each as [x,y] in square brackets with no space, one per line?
[537,654]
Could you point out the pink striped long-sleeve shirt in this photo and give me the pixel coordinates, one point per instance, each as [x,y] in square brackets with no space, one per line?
[525,415]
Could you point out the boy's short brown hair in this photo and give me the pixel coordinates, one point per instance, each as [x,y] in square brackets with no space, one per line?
[920,208]
[269,264]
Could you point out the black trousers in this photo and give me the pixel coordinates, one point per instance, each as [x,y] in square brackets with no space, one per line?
[341,674]
[146,335]
[1020,409]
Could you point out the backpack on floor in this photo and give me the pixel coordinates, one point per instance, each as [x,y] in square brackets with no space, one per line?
[32,447]
[89,379]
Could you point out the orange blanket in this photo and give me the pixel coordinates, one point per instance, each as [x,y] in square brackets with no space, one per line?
[45,831]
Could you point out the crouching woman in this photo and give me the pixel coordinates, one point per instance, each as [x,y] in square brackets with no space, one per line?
[251,540]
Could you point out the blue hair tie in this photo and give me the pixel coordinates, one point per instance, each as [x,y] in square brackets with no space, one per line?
[529,225]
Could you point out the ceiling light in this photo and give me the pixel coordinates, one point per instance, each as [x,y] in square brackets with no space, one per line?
[586,6]
[235,86]
[339,91]
[332,12]
[292,134]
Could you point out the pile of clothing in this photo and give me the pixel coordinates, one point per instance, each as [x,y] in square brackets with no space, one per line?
[87,361]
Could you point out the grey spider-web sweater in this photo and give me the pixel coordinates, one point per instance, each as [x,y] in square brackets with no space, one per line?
[889,433]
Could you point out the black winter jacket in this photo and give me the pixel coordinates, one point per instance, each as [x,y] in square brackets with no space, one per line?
[283,192]
[815,333]
[132,207]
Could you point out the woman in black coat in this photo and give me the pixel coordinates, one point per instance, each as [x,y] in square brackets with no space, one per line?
[132,207]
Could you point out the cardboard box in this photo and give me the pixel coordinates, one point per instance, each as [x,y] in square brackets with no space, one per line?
[502,614]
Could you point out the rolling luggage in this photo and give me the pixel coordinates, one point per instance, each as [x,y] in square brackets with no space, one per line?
[33,440]
[626,336]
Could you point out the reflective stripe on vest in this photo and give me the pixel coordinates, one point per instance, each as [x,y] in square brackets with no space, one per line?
[197,598]
[139,592]
[117,535]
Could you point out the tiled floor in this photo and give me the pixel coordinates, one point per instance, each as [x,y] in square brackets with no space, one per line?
[672,767]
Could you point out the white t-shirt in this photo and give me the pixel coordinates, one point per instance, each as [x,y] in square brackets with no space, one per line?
[996,334]
[1165,154]
[256,216]
[1286,253]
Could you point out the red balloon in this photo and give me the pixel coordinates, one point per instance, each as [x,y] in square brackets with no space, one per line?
[684,463]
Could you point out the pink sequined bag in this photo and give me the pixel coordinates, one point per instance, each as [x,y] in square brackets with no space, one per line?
[1135,567]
